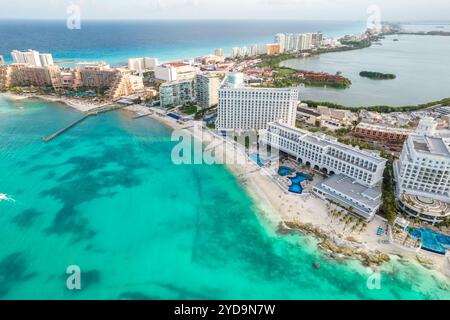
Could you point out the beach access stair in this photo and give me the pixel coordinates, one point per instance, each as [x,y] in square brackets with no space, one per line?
[90,113]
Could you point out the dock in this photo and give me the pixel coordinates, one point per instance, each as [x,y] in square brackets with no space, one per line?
[93,112]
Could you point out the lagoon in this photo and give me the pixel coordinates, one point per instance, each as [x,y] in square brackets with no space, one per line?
[420,63]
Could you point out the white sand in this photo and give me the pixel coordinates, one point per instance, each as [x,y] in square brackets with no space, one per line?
[280,205]
[78,104]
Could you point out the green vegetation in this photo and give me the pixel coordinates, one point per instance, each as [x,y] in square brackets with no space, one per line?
[189,108]
[16,90]
[381,109]
[377,75]
[388,207]
[201,113]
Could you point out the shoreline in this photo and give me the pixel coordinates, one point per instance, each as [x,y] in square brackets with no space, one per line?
[278,205]
[79,105]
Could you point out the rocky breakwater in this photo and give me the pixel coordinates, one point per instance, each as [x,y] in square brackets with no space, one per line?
[335,246]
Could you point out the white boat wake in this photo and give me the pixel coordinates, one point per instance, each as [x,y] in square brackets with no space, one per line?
[5,197]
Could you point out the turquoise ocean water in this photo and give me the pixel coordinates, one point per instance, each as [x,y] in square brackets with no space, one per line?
[106,196]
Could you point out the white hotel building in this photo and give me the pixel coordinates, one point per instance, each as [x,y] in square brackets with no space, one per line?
[356,174]
[423,174]
[250,109]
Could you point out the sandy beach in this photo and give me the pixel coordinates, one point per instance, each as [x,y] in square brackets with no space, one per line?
[308,211]
[78,104]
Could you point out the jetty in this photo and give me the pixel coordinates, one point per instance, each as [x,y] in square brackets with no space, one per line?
[93,112]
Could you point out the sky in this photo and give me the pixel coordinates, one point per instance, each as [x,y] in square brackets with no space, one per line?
[390,10]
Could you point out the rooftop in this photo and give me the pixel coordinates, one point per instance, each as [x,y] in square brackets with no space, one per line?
[430,145]
[308,111]
[369,196]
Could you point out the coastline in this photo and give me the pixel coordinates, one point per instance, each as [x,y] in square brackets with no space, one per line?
[312,219]
[82,106]
[278,205]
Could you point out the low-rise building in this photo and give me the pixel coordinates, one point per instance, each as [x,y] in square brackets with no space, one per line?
[334,119]
[382,133]
[309,116]
[358,199]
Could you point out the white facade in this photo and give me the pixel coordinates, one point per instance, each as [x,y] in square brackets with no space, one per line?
[424,165]
[2,60]
[280,38]
[142,64]
[46,59]
[166,73]
[248,109]
[30,57]
[326,153]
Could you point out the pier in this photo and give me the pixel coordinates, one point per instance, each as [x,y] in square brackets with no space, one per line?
[93,112]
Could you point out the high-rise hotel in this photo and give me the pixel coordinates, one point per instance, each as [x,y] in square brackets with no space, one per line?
[244,108]
[423,173]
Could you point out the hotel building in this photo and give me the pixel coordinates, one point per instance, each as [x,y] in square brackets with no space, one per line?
[176,93]
[32,57]
[2,60]
[356,174]
[173,71]
[422,174]
[248,109]
[207,90]
[142,64]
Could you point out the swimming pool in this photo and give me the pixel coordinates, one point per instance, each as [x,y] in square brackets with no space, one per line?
[431,241]
[259,161]
[284,171]
[296,186]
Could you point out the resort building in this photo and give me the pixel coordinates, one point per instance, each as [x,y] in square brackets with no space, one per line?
[325,153]
[142,64]
[309,116]
[348,193]
[422,174]
[244,108]
[219,52]
[173,71]
[176,93]
[334,119]
[289,42]
[355,174]
[2,60]
[272,49]
[5,77]
[95,75]
[32,57]
[46,59]
[207,90]
[280,38]
[382,133]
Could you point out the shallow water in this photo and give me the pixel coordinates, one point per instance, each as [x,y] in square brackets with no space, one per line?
[105,196]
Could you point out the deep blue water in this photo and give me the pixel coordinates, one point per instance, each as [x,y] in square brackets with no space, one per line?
[116,41]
